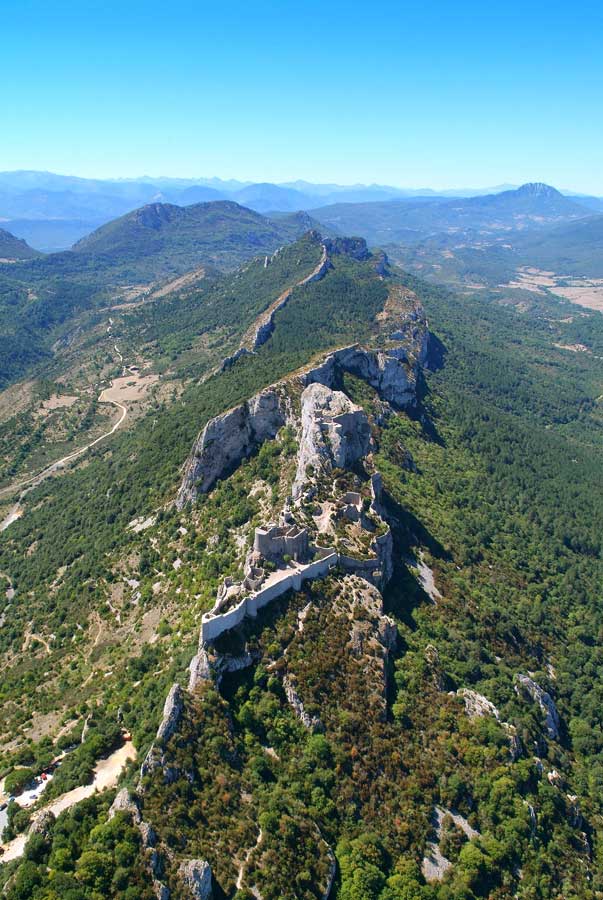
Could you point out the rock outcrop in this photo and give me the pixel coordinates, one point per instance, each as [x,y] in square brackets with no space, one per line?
[312,723]
[43,824]
[125,803]
[544,700]
[199,668]
[172,712]
[477,705]
[392,372]
[335,433]
[229,438]
[195,875]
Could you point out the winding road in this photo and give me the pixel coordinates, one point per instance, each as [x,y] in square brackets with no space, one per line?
[29,483]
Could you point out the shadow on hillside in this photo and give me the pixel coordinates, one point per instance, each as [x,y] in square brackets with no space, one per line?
[404,592]
[436,353]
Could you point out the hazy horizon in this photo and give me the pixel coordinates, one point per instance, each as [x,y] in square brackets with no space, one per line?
[438,96]
[293,182]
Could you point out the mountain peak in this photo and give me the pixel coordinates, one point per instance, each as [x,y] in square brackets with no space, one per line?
[538,189]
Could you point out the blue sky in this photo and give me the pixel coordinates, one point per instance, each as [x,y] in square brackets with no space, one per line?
[413,94]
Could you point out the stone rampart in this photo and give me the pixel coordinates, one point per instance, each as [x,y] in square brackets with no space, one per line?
[212,626]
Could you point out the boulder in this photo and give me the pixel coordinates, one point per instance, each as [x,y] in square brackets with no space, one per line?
[195,874]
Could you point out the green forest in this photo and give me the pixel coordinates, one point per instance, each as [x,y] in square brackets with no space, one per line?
[494,483]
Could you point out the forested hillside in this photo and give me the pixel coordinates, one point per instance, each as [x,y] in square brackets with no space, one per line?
[438,771]
[11,248]
[47,299]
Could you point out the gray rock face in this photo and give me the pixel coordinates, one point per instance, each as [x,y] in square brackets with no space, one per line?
[228,439]
[477,705]
[545,702]
[195,874]
[172,712]
[349,246]
[334,432]
[312,723]
[125,803]
[199,669]
[43,824]
[391,372]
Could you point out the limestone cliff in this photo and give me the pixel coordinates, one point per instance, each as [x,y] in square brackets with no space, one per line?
[335,433]
[229,438]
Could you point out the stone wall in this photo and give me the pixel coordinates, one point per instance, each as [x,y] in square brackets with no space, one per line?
[276,541]
[212,626]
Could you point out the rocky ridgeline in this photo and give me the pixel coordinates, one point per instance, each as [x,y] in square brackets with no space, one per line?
[334,434]
[263,327]
[231,437]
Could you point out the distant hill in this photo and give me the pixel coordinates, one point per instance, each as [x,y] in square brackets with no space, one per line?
[292,224]
[266,197]
[532,205]
[39,295]
[570,249]
[162,239]
[12,247]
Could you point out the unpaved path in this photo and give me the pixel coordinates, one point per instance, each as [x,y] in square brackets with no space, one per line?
[60,463]
[106,775]
[33,481]
[243,866]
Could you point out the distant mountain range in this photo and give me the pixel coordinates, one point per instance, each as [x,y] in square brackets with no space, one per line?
[530,206]
[52,212]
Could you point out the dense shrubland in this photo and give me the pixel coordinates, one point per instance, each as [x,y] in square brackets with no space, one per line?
[495,481]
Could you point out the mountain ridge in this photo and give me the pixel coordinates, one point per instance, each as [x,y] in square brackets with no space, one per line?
[13,248]
[30,199]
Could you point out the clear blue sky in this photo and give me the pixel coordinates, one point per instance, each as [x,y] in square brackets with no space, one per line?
[413,94]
